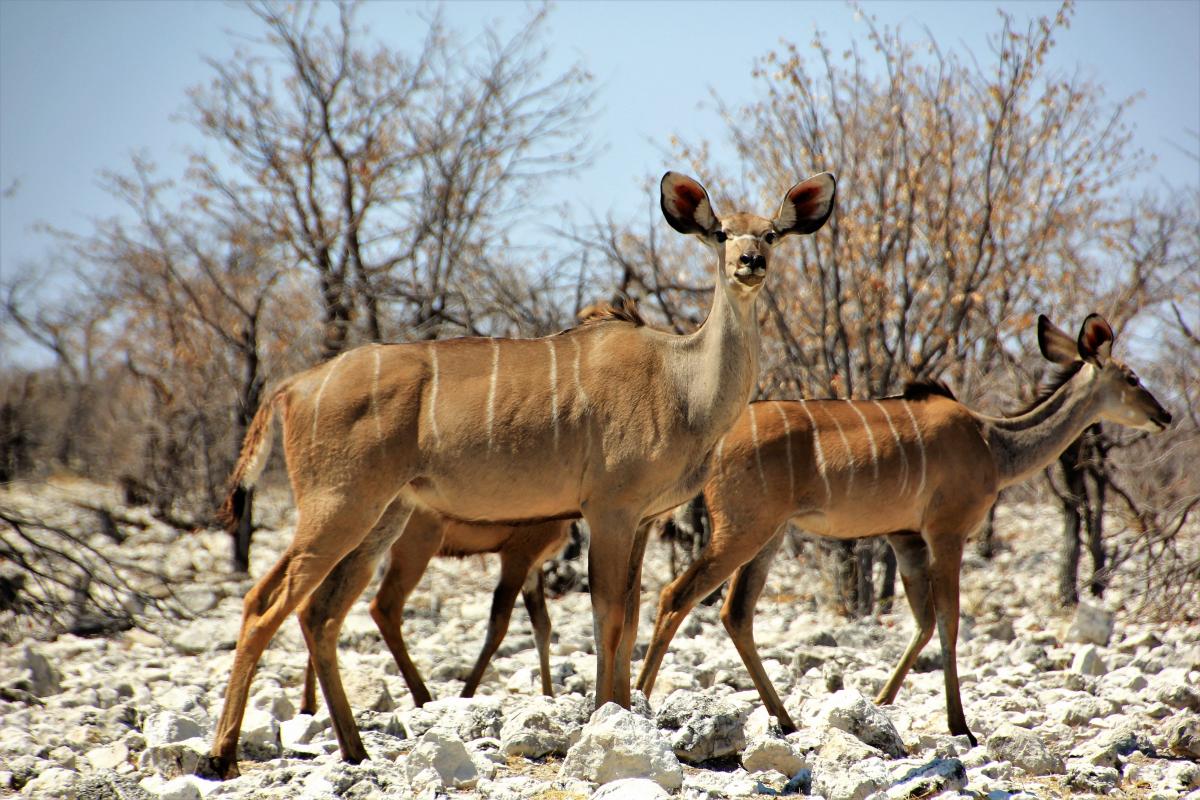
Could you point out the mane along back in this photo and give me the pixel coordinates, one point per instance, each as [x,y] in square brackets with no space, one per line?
[923,390]
[621,308]
[1058,377]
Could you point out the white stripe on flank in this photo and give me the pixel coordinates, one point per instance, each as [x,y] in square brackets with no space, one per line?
[870,438]
[899,446]
[816,437]
[583,398]
[491,401]
[762,478]
[849,453]
[553,389]
[920,444]
[375,395]
[433,392]
[317,400]
[787,443]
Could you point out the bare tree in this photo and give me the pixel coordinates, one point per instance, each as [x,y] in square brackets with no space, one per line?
[973,195]
[392,177]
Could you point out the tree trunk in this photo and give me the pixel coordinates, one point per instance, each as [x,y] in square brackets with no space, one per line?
[865,556]
[242,534]
[887,592]
[845,565]
[1095,518]
[248,402]
[1074,508]
[986,545]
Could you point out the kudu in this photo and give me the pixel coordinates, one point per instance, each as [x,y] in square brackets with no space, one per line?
[611,421]
[522,550]
[921,469]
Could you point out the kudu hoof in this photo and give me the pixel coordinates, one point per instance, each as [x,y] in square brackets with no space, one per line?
[220,768]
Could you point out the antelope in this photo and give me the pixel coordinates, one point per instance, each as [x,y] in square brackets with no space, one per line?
[920,469]
[522,550]
[610,420]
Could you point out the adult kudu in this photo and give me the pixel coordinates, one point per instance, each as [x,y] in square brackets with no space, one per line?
[610,421]
[921,469]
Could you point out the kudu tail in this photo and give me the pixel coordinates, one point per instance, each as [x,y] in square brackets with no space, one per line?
[256,449]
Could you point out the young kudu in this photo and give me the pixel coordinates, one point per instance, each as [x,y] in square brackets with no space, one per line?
[610,421]
[921,469]
[522,550]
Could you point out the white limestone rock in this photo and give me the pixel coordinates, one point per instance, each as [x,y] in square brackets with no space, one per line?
[302,729]
[1024,749]
[275,701]
[1087,661]
[56,782]
[929,779]
[367,690]
[468,718]
[111,756]
[259,740]
[704,727]
[849,711]
[852,781]
[1182,735]
[169,727]
[771,753]
[630,789]
[617,744]
[538,727]
[442,760]
[175,758]
[1092,624]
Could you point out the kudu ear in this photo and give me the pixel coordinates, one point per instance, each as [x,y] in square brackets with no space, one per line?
[1095,340]
[686,206]
[807,205]
[1056,345]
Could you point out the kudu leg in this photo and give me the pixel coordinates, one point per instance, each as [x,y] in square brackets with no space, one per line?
[410,557]
[534,595]
[633,607]
[514,569]
[324,612]
[912,558]
[610,572]
[681,595]
[407,562]
[737,614]
[945,564]
[320,542]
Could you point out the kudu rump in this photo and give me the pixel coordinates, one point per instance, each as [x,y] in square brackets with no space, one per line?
[921,469]
[611,421]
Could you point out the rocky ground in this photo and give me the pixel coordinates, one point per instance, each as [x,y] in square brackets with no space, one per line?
[1063,706]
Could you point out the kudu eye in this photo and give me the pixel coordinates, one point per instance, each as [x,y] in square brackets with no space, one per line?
[770,237]
[1132,380]
[719,236]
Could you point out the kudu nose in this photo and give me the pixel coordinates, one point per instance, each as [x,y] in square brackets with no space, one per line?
[753,260]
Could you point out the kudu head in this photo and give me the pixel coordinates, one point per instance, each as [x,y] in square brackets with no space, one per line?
[1123,398]
[743,241]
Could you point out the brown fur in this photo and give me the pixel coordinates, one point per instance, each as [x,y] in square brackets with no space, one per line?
[613,422]
[925,482]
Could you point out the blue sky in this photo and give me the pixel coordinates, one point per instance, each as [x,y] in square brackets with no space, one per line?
[84,84]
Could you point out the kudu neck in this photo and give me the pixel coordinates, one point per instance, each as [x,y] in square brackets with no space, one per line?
[720,359]
[1027,443]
